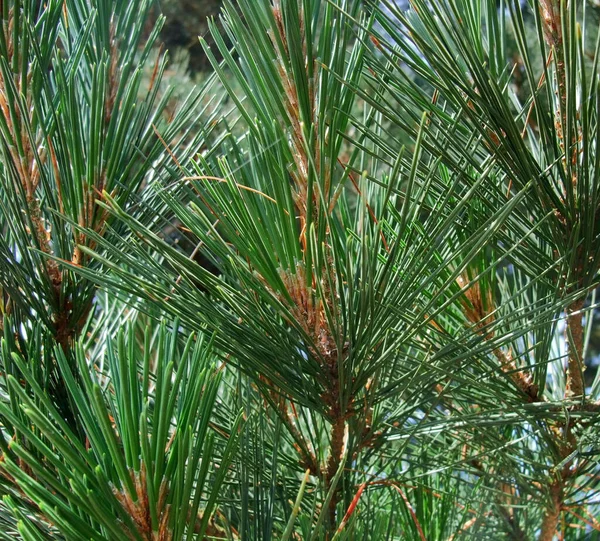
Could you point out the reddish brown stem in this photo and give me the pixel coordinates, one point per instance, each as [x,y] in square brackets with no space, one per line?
[333,464]
[575,384]
[550,521]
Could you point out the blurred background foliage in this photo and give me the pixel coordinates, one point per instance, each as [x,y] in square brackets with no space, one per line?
[186,20]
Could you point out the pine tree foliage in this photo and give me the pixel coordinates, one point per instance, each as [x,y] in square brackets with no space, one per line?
[373,322]
[133,474]
[76,122]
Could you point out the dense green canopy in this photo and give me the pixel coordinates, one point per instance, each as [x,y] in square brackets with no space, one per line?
[344,289]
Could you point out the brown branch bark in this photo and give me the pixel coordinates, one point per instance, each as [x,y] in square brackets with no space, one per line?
[333,464]
[557,489]
[575,339]
[575,387]
[550,521]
